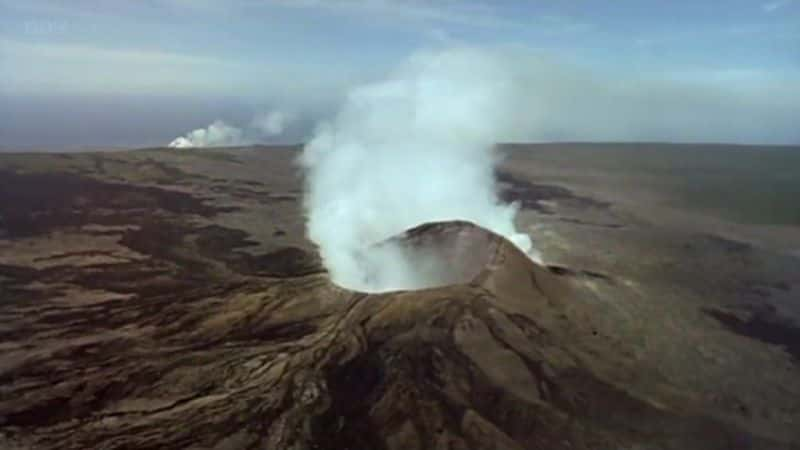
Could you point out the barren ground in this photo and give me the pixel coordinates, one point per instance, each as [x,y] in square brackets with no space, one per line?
[168,299]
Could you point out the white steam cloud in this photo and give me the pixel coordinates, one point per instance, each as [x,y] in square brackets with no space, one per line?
[218,134]
[221,134]
[414,148]
[273,123]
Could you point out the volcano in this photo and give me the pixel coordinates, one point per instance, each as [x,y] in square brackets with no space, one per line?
[144,306]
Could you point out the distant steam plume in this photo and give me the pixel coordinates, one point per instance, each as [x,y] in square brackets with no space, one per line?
[220,134]
[414,148]
[273,123]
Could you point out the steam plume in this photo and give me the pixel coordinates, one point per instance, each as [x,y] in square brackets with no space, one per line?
[218,134]
[414,148]
[221,134]
[273,123]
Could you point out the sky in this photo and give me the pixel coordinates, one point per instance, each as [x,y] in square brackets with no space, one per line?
[80,74]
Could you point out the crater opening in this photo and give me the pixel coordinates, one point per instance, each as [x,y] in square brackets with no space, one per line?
[430,255]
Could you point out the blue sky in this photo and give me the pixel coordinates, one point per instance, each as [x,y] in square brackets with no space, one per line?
[91,73]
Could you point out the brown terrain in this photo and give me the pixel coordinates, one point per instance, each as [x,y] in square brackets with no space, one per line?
[164,299]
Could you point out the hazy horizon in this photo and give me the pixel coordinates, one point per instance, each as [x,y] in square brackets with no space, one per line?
[95,75]
[298,145]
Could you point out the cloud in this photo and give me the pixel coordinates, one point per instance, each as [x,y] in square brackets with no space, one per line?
[470,13]
[476,13]
[56,68]
[557,101]
[771,7]
[263,128]
[443,13]
[218,134]
[51,67]
[273,123]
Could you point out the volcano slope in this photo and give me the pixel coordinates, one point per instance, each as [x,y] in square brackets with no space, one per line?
[159,299]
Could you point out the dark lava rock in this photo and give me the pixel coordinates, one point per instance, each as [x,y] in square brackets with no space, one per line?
[132,317]
[296,363]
